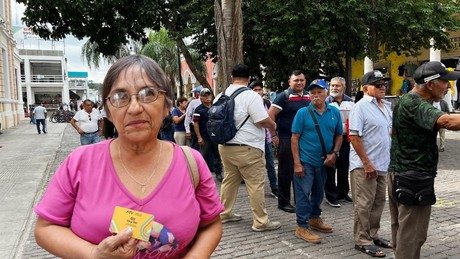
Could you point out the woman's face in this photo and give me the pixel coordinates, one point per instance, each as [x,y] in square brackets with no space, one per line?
[137,121]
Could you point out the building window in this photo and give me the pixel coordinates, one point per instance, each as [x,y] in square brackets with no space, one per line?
[6,81]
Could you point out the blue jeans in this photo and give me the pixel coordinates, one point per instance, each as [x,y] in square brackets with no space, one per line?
[270,165]
[309,193]
[86,139]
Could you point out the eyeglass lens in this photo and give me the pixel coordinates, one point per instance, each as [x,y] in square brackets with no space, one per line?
[145,95]
[380,85]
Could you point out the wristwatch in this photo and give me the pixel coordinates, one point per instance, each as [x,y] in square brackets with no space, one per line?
[337,153]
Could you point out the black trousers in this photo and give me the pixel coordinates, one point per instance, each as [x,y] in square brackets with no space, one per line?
[210,153]
[336,192]
[194,141]
[285,171]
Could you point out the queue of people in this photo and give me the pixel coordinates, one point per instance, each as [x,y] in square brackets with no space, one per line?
[324,141]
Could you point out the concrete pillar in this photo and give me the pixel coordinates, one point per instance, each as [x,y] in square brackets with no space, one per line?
[435,54]
[368,65]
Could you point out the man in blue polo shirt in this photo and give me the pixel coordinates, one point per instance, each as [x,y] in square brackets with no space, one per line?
[315,145]
[282,111]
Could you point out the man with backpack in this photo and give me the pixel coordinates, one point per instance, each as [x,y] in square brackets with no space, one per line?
[243,155]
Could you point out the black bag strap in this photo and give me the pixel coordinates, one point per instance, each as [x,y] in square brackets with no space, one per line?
[233,95]
[318,130]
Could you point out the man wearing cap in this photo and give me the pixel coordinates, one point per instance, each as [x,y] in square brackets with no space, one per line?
[414,151]
[335,192]
[370,129]
[282,111]
[208,149]
[316,140]
[188,122]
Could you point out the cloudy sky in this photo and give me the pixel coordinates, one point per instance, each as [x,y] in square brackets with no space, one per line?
[71,47]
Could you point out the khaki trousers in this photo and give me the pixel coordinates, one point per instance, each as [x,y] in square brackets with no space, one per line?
[409,225]
[248,164]
[368,202]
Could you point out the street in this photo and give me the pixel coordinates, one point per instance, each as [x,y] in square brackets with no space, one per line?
[28,160]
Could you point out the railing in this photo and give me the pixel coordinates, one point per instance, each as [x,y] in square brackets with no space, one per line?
[43,79]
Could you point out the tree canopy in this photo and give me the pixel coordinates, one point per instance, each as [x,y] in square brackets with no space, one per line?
[278,36]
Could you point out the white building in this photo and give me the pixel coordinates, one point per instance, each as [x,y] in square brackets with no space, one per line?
[11,103]
[44,77]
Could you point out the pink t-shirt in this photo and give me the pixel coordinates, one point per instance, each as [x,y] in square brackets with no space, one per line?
[85,190]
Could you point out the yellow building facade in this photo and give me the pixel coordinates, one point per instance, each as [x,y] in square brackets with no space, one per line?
[11,103]
[391,66]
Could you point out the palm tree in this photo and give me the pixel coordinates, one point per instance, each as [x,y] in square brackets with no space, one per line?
[93,57]
[164,51]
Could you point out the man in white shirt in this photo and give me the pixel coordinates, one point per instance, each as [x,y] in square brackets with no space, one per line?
[40,117]
[188,121]
[243,156]
[88,123]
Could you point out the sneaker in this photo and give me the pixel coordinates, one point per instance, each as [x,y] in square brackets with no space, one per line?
[271,225]
[347,199]
[275,193]
[219,177]
[307,235]
[334,204]
[318,225]
[231,218]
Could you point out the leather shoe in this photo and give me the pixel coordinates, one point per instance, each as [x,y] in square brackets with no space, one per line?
[287,208]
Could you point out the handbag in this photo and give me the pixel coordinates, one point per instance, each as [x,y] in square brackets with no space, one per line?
[414,188]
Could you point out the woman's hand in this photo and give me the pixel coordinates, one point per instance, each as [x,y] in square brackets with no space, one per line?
[118,246]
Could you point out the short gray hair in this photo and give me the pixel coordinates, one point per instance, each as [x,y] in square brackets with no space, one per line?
[341,79]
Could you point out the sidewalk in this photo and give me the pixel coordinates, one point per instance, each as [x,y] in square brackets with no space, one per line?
[18,194]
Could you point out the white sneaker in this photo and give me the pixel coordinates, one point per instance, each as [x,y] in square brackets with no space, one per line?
[334,204]
[271,225]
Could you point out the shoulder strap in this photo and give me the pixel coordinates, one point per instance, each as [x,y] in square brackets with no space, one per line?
[234,94]
[191,165]
[318,130]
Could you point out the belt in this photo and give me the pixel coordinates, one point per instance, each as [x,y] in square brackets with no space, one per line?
[88,133]
[234,145]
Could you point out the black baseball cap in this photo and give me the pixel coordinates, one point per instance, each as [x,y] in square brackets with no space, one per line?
[371,77]
[434,70]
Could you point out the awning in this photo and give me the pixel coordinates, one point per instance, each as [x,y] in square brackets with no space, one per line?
[74,95]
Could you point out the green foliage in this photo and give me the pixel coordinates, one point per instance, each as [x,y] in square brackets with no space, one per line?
[279,35]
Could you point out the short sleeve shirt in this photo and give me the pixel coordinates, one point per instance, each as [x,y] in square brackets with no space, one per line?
[373,125]
[414,135]
[180,126]
[330,125]
[86,188]
[201,116]
[289,103]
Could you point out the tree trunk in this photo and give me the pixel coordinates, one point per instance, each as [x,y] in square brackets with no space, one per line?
[229,27]
[188,58]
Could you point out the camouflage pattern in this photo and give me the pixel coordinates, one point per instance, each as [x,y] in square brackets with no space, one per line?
[413,145]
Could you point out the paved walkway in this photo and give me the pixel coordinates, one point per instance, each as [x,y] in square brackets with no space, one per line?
[27,160]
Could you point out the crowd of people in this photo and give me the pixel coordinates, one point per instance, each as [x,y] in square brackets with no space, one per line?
[326,144]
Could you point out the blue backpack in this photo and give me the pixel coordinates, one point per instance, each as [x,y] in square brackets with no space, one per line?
[221,124]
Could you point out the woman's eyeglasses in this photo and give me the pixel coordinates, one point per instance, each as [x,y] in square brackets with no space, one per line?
[145,95]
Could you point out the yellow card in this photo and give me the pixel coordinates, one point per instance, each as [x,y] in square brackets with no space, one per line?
[140,222]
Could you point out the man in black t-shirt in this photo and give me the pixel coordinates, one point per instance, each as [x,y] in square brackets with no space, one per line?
[208,149]
[283,111]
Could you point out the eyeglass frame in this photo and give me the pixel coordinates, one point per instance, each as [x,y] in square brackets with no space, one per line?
[137,96]
[381,85]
